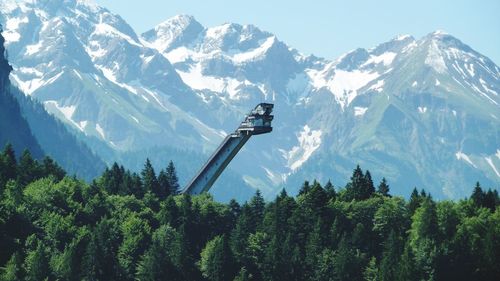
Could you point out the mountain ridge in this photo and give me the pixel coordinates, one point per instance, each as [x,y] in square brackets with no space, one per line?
[187,84]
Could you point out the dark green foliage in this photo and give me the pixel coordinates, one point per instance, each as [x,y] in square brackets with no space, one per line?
[347,262]
[330,190]
[483,199]
[304,188]
[171,177]
[216,261]
[414,202]
[36,263]
[161,261]
[149,180]
[49,167]
[383,188]
[164,185]
[118,228]
[361,186]
[29,169]
[13,270]
[9,164]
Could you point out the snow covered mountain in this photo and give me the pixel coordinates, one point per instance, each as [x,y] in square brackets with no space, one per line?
[89,68]
[420,112]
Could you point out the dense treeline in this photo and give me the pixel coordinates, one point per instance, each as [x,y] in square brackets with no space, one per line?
[128,226]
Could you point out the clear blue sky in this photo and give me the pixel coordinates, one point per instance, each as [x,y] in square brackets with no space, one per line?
[329,28]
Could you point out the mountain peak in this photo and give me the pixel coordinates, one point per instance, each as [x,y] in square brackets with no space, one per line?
[448,43]
[442,36]
[439,32]
[402,37]
[181,20]
[173,32]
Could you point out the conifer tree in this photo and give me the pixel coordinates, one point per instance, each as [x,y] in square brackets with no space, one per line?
[383,188]
[330,190]
[490,200]
[149,180]
[113,178]
[49,167]
[165,188]
[414,202]
[368,187]
[304,188]
[29,169]
[256,209]
[360,187]
[9,163]
[478,195]
[173,180]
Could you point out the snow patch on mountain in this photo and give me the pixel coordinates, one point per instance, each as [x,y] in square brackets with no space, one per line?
[110,31]
[309,141]
[100,130]
[67,111]
[434,58]
[462,156]
[135,119]
[360,111]
[402,37]
[31,85]
[343,84]
[83,125]
[492,165]
[470,69]
[485,87]
[378,86]
[385,58]
[33,49]
[179,55]
[256,53]
[30,70]
[10,33]
[77,74]
[196,80]
[67,114]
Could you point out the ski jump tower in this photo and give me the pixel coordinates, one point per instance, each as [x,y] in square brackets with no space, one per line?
[257,122]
